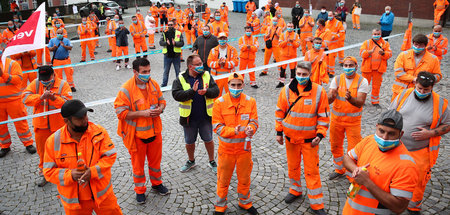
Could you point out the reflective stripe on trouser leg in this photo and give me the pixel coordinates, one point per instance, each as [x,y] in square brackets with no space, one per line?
[5,137]
[244,166]
[312,176]
[294,158]
[67,70]
[422,159]
[331,63]
[40,136]
[137,163]
[16,109]
[267,55]
[154,152]
[377,79]
[225,167]
[337,135]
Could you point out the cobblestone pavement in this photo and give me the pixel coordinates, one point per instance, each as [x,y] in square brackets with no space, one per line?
[194,192]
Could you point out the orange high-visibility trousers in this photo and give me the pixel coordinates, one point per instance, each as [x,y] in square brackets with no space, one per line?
[376,78]
[91,45]
[291,65]
[67,70]
[222,84]
[331,65]
[190,37]
[157,25]
[225,168]
[341,54]
[248,64]
[151,40]
[152,151]
[355,21]
[268,53]
[422,158]
[437,15]
[337,135]
[112,46]
[310,154]
[27,77]
[14,109]
[41,135]
[305,45]
[40,52]
[108,206]
[140,45]
[121,50]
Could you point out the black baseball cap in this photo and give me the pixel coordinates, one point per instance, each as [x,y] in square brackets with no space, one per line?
[45,72]
[390,116]
[74,108]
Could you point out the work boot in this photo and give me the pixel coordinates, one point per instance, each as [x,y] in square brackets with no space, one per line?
[262,74]
[291,198]
[73,89]
[95,53]
[109,50]
[31,149]
[81,61]
[280,85]
[127,66]
[334,175]
[330,75]
[161,189]
[218,213]
[4,151]
[213,165]
[263,50]
[255,86]
[252,210]
[42,182]
[319,212]
[341,64]
[377,105]
[151,47]
[182,60]
[410,212]
[140,198]
[188,166]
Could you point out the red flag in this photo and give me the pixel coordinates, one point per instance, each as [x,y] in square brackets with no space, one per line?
[30,36]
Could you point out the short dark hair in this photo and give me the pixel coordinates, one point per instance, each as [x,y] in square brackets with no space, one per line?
[191,58]
[134,17]
[426,79]
[247,27]
[318,38]
[321,22]
[421,39]
[263,8]
[207,27]
[323,7]
[140,62]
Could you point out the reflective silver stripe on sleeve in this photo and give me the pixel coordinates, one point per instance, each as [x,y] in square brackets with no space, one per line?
[61,176]
[61,87]
[401,193]
[57,140]
[109,152]
[400,84]
[130,122]
[299,128]
[353,154]
[99,171]
[366,194]
[126,93]
[323,123]
[49,165]
[303,115]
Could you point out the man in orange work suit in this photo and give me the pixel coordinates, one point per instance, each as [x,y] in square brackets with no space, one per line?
[139,105]
[218,26]
[138,32]
[155,14]
[375,54]
[78,159]
[318,60]
[273,33]
[223,59]
[248,46]
[12,106]
[27,62]
[289,43]
[439,9]
[302,114]
[384,168]
[437,43]
[111,25]
[85,31]
[337,33]
[235,132]
[306,25]
[409,63]
[46,93]
[250,7]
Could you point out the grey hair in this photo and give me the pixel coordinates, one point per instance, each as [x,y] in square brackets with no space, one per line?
[387,7]
[304,65]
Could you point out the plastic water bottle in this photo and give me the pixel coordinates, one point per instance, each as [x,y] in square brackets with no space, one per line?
[81,165]
[248,141]
[354,188]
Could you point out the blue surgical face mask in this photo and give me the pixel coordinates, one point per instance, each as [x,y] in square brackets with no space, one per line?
[199,69]
[437,34]
[317,46]
[420,95]
[330,18]
[302,80]
[121,25]
[235,92]
[274,23]
[341,4]
[16,20]
[84,22]
[178,9]
[47,83]
[290,29]
[377,37]
[297,5]
[190,14]
[59,36]
[222,42]
[306,14]
[386,145]
[217,18]
[349,71]
[11,26]
[248,33]
[116,20]
[206,33]
[418,50]
[144,77]
[135,21]
[279,15]
[58,25]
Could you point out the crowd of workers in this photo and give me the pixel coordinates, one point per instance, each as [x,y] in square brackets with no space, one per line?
[77,155]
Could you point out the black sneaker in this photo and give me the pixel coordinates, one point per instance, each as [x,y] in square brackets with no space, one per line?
[334,175]
[319,212]
[252,210]
[81,61]
[263,74]
[280,85]
[330,76]
[95,53]
[413,212]
[263,50]
[73,89]
[4,151]
[182,60]
[255,86]
[140,198]
[291,198]
[341,64]
[109,50]
[161,189]
[42,182]
[377,105]
[218,213]
[31,149]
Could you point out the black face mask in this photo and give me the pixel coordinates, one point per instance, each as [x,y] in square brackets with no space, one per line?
[79,129]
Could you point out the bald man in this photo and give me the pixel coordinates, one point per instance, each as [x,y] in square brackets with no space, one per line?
[437,43]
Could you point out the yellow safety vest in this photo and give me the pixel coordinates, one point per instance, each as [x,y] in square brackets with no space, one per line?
[177,39]
[186,106]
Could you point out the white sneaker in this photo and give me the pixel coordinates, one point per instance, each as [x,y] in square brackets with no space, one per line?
[128,66]
[118,67]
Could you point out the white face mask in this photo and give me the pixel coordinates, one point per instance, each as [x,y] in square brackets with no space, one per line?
[388,11]
[323,10]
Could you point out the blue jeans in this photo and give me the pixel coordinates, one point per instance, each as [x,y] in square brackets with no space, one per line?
[167,63]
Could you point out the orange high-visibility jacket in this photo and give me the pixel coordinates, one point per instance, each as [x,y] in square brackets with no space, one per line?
[337,32]
[130,98]
[281,23]
[308,118]
[407,38]
[206,14]
[275,33]
[440,4]
[223,14]
[8,35]
[10,81]
[179,16]
[61,156]
[60,22]
[325,34]
[226,117]
[250,7]
[306,29]
[255,24]
[32,97]
[154,11]
[138,31]
[199,26]
[343,111]
[289,49]
[267,22]
[439,106]
[375,61]
[231,60]
[406,70]
[139,17]
[246,53]
[162,10]
[318,61]
[111,27]
[94,20]
[441,44]
[170,13]
[223,27]
[26,59]
[85,31]
[53,32]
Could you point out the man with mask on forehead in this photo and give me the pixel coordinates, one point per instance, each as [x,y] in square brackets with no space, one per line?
[139,105]
[383,167]
[427,118]
[46,93]
[235,121]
